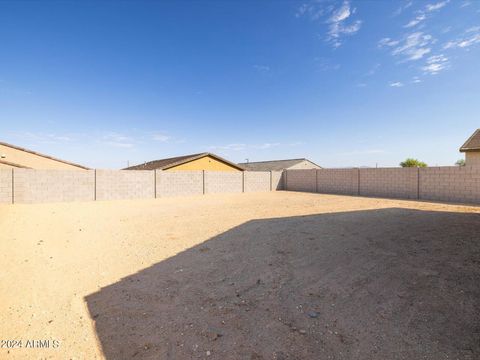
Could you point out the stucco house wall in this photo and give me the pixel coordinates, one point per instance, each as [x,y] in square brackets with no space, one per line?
[472,158]
[15,157]
[204,163]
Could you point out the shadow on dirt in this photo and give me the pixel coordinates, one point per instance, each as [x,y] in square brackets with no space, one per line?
[376,284]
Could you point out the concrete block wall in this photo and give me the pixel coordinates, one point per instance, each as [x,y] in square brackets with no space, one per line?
[389,182]
[256,181]
[6,186]
[223,182]
[338,181]
[278,180]
[452,183]
[125,184]
[38,186]
[179,183]
[301,180]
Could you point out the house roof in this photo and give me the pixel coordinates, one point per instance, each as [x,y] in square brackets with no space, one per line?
[39,154]
[273,165]
[473,143]
[163,164]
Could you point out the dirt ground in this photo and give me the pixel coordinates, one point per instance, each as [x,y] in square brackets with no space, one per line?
[279,275]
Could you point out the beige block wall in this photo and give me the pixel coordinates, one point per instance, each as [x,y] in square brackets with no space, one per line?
[278,180]
[125,184]
[389,182]
[179,183]
[38,186]
[5,186]
[256,181]
[338,181]
[472,158]
[223,182]
[300,180]
[452,183]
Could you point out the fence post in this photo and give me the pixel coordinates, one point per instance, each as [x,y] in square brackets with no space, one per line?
[358,185]
[243,181]
[13,186]
[203,181]
[316,181]
[94,184]
[271,180]
[418,183]
[154,183]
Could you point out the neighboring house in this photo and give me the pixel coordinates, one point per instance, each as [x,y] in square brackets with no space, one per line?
[278,165]
[471,148]
[12,157]
[202,161]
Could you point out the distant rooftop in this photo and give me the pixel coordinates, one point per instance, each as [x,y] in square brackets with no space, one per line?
[473,143]
[163,164]
[273,165]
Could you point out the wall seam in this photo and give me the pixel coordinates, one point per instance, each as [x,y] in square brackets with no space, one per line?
[94,184]
[154,183]
[243,181]
[271,180]
[13,186]
[418,183]
[358,181]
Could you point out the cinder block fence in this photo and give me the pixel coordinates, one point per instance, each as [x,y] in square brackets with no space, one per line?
[39,186]
[449,183]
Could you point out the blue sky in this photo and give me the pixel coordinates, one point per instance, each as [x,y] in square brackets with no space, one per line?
[344,83]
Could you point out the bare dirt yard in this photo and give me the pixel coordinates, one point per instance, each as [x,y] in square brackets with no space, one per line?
[278,275]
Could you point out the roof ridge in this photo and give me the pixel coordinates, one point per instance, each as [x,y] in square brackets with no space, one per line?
[264,161]
[464,147]
[164,164]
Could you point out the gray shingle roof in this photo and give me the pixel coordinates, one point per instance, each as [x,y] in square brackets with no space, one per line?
[473,143]
[273,165]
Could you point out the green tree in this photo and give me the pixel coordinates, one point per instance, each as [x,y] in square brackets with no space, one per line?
[413,163]
[460,162]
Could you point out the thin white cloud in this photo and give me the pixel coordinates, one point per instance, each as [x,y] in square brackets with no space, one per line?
[160,137]
[418,19]
[338,27]
[414,46]
[472,38]
[435,64]
[266,145]
[396,84]
[243,147]
[387,42]
[403,8]
[337,18]
[422,14]
[437,6]
[261,68]
[363,152]
[117,140]
[416,80]
[341,13]
[312,10]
